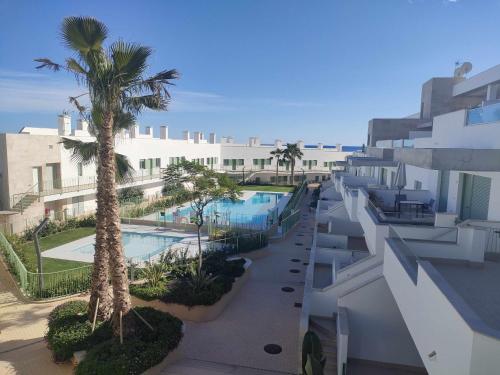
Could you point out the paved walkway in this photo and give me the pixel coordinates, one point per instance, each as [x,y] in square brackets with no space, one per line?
[260,314]
[22,327]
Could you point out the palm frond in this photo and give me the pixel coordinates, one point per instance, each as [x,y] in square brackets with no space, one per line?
[81,152]
[75,67]
[74,100]
[129,61]
[123,121]
[83,34]
[49,64]
[155,102]
[124,169]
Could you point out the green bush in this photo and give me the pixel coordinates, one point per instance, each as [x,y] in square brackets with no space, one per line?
[147,292]
[132,193]
[136,354]
[182,290]
[70,330]
[56,226]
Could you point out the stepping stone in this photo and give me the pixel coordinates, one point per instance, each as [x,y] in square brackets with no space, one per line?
[287,289]
[294,270]
[295,260]
[305,263]
[297,304]
[308,248]
[299,244]
[272,349]
[300,235]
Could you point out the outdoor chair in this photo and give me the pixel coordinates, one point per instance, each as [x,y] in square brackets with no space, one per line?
[429,206]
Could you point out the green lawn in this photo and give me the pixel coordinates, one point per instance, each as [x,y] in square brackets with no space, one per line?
[54,240]
[277,188]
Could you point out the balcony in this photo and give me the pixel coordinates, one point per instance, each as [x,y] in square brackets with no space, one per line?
[382,203]
[69,185]
[484,115]
[444,287]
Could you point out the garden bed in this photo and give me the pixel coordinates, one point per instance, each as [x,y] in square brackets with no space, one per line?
[70,331]
[195,312]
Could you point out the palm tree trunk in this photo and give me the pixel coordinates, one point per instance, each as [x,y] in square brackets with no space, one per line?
[277,173]
[200,253]
[123,322]
[292,166]
[99,291]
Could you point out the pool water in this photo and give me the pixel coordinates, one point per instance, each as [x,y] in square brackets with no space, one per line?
[137,245]
[252,210]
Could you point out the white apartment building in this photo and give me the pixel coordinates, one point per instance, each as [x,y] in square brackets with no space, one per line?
[407,280]
[39,177]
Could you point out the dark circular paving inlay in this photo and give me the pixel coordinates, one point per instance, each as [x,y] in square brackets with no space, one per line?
[299,243]
[272,349]
[287,289]
[294,260]
[297,304]
[294,270]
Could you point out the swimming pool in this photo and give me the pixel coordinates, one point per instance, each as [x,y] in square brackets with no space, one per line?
[252,209]
[135,245]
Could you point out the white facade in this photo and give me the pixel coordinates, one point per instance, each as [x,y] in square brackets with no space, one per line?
[65,186]
[440,266]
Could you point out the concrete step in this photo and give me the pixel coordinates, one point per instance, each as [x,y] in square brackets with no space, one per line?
[326,329]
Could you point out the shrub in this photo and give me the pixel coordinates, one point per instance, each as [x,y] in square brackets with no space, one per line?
[136,354]
[147,292]
[183,293]
[70,331]
[132,193]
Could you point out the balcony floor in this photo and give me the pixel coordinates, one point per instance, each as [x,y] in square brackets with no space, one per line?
[478,286]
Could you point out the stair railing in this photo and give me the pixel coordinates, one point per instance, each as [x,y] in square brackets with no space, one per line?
[19,197]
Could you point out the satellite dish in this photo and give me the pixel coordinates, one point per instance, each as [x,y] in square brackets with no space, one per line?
[462,69]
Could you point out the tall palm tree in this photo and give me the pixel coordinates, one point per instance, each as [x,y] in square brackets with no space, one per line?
[291,153]
[279,157]
[87,153]
[115,82]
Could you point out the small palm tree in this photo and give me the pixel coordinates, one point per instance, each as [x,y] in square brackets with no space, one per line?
[114,81]
[291,153]
[279,157]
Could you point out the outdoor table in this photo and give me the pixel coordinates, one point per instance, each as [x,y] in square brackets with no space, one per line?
[417,204]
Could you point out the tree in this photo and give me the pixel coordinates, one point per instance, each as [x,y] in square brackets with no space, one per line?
[279,157]
[291,153]
[204,186]
[114,81]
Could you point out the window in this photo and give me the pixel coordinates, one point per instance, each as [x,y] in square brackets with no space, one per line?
[268,161]
[80,169]
[226,162]
[241,161]
[304,163]
[417,185]
[142,164]
[255,161]
[158,162]
[325,164]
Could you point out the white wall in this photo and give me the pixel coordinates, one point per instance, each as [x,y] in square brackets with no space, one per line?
[377,331]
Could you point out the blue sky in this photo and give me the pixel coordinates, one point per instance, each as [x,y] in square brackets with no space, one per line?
[314,70]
